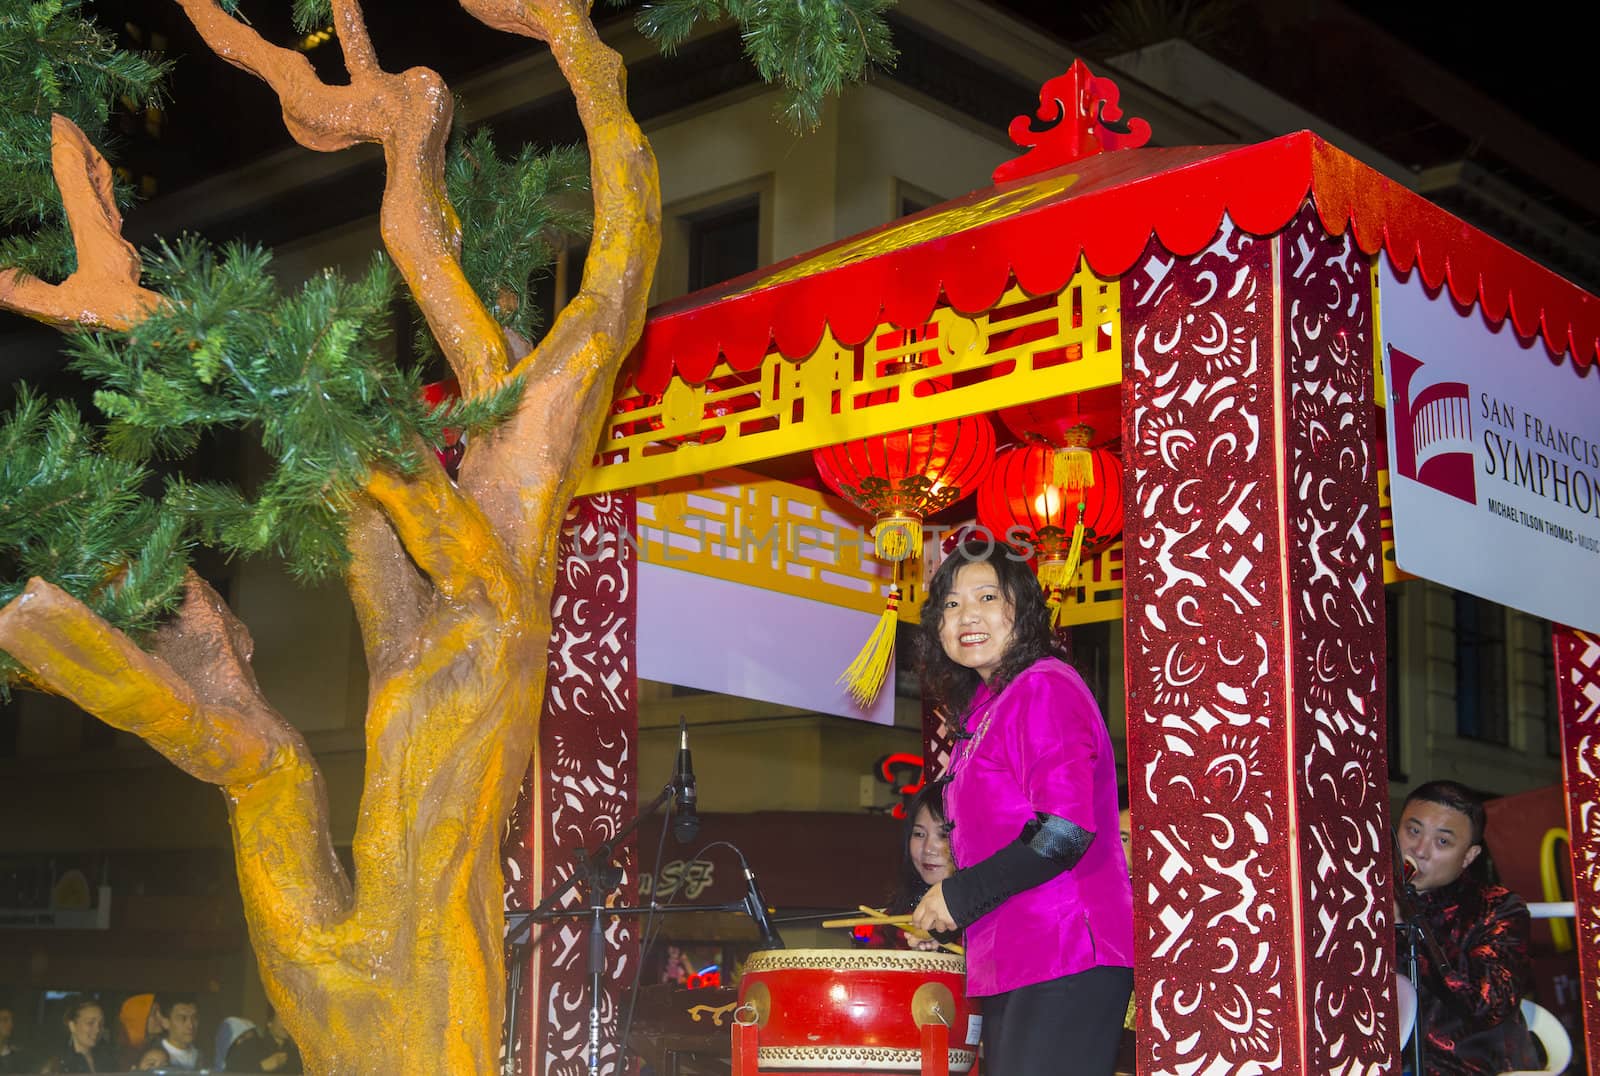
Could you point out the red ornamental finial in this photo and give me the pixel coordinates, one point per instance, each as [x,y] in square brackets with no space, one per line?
[1083,118]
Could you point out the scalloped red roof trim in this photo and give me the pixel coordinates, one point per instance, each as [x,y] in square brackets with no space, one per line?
[1106,208]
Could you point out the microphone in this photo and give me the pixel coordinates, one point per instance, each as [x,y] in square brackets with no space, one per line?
[1408,871]
[686,821]
[756,909]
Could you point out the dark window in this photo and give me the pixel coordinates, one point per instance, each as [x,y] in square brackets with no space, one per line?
[554,288]
[911,203]
[724,242]
[1552,700]
[1481,670]
[1090,649]
[1391,687]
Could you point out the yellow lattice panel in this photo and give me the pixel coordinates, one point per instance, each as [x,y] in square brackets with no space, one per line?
[1022,350]
[1096,592]
[746,528]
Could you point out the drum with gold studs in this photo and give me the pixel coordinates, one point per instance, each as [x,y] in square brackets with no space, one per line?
[855,1011]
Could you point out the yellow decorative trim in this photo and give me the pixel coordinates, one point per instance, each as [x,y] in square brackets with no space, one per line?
[923,229]
[717,1012]
[770,960]
[846,1058]
[1096,592]
[758,531]
[1380,395]
[1024,349]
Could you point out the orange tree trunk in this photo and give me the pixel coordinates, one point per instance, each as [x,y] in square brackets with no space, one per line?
[398,968]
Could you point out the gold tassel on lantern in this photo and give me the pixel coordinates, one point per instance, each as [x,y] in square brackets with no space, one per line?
[1054,602]
[865,675]
[897,538]
[1074,463]
[1056,576]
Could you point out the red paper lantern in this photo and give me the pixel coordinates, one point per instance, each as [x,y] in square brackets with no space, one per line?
[1021,498]
[1049,420]
[900,479]
[1068,423]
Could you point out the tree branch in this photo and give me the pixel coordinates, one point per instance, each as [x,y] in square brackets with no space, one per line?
[627,195]
[195,700]
[354,41]
[391,597]
[570,375]
[449,538]
[438,773]
[409,115]
[103,292]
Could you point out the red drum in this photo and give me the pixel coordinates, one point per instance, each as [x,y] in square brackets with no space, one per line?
[855,1011]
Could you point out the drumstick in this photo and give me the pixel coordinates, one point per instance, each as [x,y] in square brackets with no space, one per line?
[903,921]
[875,917]
[873,920]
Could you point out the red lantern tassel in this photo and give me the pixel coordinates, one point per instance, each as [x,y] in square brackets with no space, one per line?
[864,678]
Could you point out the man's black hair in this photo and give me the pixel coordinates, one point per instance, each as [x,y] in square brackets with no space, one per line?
[1457,797]
[165,1002]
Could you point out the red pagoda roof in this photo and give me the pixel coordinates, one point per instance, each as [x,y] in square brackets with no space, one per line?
[1104,207]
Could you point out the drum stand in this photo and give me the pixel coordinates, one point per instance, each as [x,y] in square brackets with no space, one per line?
[600,877]
[747,1044]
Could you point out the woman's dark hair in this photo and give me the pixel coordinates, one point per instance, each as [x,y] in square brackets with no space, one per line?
[909,886]
[947,687]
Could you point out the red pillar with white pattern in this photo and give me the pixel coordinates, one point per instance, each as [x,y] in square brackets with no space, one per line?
[1254,643]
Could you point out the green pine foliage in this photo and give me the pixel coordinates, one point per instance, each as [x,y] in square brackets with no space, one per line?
[515,212]
[83,519]
[53,59]
[312,14]
[813,48]
[307,373]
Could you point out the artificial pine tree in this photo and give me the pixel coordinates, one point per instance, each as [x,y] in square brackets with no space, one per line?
[397,968]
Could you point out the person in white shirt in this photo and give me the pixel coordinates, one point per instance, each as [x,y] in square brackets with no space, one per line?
[180,1026]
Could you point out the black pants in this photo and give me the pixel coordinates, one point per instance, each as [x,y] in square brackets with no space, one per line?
[1068,1025]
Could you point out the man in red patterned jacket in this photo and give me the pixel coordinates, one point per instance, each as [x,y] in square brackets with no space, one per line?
[1472,979]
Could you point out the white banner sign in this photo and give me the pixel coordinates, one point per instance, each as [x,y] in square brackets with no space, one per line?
[1494,457]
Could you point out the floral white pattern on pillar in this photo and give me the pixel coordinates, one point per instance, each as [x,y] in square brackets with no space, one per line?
[1252,571]
[587,788]
[1577,657]
[1204,646]
[1337,651]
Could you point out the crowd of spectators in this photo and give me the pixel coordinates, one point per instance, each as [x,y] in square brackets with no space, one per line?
[150,1033]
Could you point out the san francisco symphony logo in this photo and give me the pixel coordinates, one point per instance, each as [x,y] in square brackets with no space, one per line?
[1432,429]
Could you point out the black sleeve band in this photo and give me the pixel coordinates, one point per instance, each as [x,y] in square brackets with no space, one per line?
[1056,839]
[1047,846]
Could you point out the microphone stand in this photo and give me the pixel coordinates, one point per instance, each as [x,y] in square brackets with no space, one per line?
[601,877]
[1415,930]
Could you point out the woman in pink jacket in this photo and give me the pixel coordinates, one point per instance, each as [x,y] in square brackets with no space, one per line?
[1041,888]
